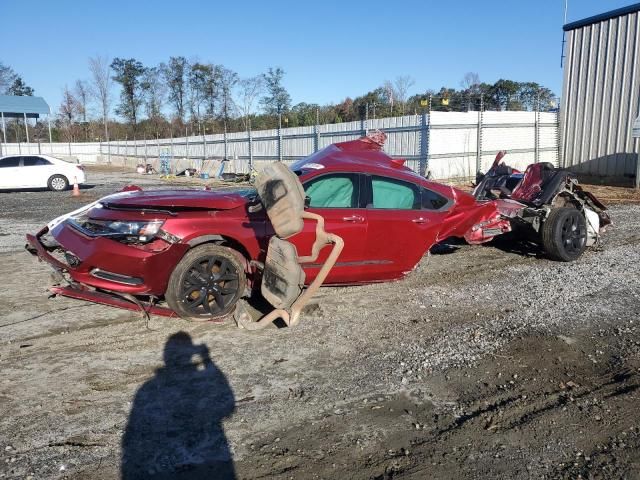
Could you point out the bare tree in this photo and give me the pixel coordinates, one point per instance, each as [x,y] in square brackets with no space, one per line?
[198,77]
[470,85]
[101,87]
[228,80]
[175,73]
[154,92]
[276,100]
[390,93]
[402,85]
[470,81]
[68,111]
[81,93]
[212,89]
[250,89]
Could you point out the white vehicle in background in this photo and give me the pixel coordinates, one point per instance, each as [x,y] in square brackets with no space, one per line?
[39,171]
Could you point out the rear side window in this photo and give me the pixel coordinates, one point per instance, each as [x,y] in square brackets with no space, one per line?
[10,162]
[333,191]
[432,200]
[34,161]
[389,193]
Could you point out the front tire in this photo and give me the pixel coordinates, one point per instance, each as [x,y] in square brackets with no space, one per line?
[206,284]
[564,234]
[58,183]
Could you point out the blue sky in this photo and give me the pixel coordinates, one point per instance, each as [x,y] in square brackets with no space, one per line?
[329,49]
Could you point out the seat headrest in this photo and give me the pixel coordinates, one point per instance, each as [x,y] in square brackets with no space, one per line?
[282,195]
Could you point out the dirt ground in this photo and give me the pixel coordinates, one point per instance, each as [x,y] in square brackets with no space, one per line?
[485,362]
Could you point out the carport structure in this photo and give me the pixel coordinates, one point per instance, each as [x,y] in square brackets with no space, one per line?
[12,106]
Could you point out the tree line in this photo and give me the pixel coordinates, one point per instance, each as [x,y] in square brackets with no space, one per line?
[189,97]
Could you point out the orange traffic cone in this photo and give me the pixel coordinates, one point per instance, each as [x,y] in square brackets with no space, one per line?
[76,188]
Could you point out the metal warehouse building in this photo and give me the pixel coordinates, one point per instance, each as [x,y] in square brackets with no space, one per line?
[601,94]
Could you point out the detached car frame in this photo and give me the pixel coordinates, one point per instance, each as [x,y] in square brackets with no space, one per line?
[206,255]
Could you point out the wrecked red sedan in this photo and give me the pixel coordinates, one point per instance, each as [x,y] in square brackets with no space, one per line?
[201,254]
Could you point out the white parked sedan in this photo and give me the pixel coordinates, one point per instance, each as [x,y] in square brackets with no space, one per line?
[39,171]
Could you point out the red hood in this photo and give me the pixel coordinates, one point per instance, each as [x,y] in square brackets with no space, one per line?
[225,199]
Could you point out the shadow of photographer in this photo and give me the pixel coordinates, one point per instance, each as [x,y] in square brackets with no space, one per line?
[175,425]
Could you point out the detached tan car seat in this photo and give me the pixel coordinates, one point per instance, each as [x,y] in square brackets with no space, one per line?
[283,278]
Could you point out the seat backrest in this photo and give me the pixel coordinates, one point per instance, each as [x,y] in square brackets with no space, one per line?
[531,185]
[282,195]
[541,182]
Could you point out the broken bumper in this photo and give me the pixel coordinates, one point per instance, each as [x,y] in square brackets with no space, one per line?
[111,300]
[105,264]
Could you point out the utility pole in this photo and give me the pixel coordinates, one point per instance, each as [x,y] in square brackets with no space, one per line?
[564,41]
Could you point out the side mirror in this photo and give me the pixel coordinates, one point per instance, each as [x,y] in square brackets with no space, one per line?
[307,201]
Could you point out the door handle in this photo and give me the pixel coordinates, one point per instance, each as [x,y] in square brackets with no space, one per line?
[420,220]
[353,218]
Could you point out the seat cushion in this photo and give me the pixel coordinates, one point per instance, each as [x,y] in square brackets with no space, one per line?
[283,277]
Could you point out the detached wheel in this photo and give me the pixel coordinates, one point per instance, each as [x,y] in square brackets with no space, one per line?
[206,284]
[58,183]
[564,234]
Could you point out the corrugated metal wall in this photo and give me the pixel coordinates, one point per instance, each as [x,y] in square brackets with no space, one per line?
[601,97]
[446,143]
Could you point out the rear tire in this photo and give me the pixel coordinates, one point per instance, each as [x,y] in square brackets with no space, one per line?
[206,284]
[564,234]
[58,183]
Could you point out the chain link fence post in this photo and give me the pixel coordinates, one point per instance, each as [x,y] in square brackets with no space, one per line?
[424,144]
[559,152]
[173,160]
[250,145]
[225,141]
[366,119]
[279,136]
[316,137]
[186,139]
[479,135]
[536,132]
[204,144]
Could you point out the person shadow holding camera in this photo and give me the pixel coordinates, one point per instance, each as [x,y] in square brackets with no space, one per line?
[175,425]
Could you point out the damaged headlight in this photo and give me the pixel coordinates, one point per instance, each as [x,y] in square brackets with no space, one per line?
[122,230]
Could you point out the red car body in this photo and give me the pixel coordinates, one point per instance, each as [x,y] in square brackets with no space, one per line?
[381,244]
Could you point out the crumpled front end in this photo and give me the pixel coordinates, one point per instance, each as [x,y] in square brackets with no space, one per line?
[106,264]
[115,251]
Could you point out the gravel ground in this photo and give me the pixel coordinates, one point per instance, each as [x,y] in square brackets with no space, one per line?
[486,361]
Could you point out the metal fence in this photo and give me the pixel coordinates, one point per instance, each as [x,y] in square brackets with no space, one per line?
[447,144]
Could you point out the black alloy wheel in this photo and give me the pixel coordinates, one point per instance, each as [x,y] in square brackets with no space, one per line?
[564,234]
[206,284]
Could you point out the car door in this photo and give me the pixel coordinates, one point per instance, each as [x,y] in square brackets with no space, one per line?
[9,172]
[35,171]
[403,222]
[336,197]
